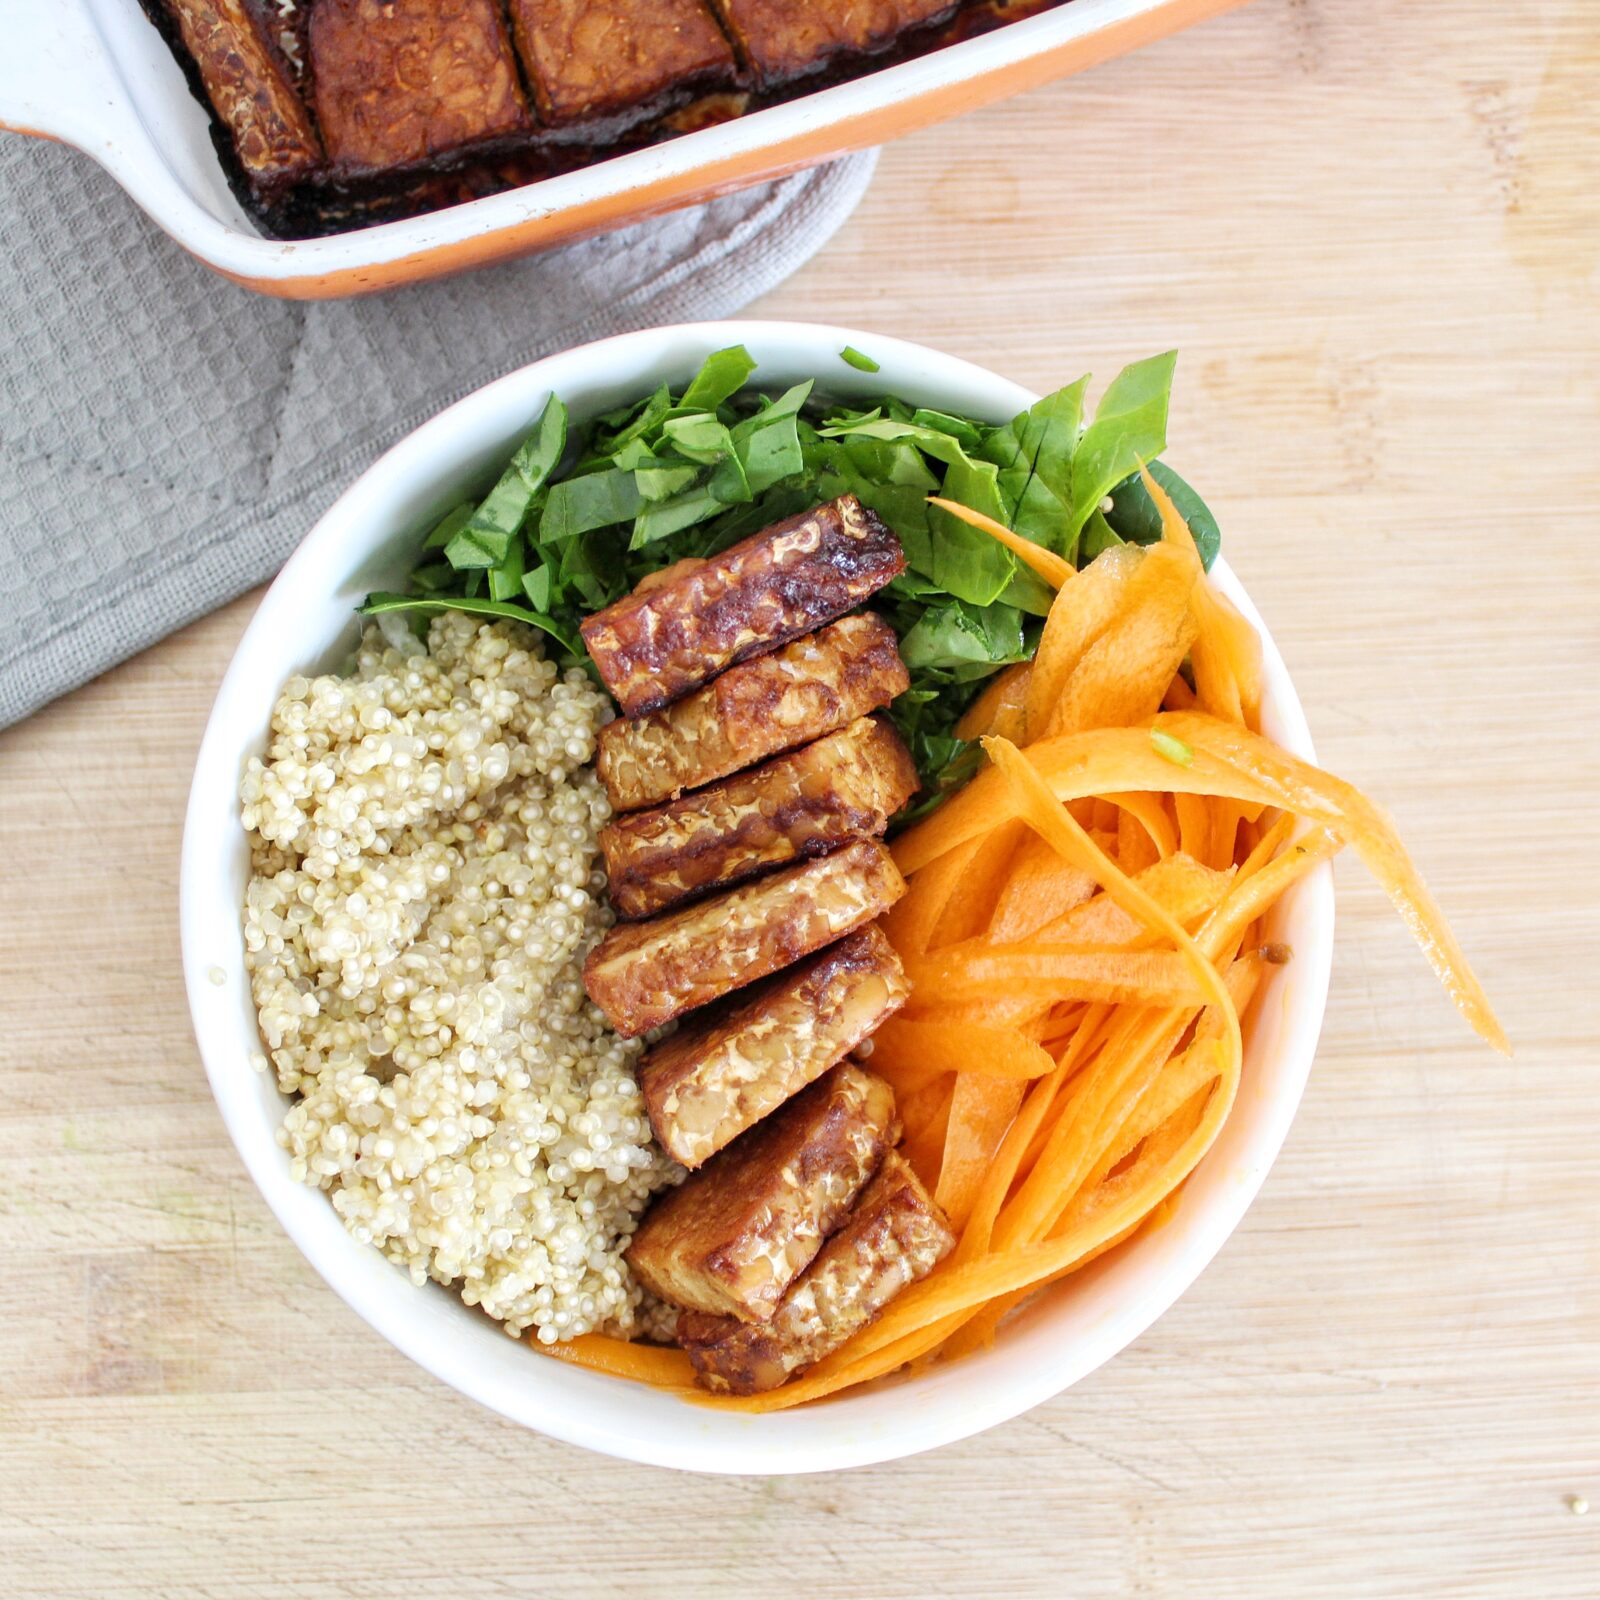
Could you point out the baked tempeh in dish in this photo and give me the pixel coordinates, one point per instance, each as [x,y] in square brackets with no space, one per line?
[645,974]
[399,83]
[725,1069]
[894,1235]
[657,644]
[250,84]
[753,711]
[733,1237]
[782,40]
[843,786]
[622,60]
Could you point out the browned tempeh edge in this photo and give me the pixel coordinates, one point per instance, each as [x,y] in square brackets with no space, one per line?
[845,785]
[658,644]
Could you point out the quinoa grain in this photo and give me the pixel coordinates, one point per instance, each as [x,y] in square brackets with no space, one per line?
[425,886]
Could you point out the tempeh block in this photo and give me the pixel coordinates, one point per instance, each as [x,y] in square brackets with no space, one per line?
[895,1235]
[401,82]
[725,1070]
[249,83]
[605,58]
[843,786]
[733,1237]
[644,974]
[753,711]
[787,39]
[656,644]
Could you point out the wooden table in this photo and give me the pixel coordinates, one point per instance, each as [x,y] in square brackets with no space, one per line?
[1374,231]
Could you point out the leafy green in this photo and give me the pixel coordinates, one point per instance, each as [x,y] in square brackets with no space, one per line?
[1129,427]
[574,523]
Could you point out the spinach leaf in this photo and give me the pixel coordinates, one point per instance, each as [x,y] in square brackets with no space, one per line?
[951,638]
[724,374]
[595,500]
[485,538]
[1130,426]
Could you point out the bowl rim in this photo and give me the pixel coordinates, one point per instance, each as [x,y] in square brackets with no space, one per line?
[605,1414]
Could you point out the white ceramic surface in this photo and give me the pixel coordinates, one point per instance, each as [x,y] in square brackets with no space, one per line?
[366,541]
[95,74]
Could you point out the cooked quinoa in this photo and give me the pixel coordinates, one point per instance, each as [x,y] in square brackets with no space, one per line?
[424,888]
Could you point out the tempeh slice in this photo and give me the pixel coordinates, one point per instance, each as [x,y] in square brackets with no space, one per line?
[786,39]
[733,1237]
[402,82]
[618,59]
[895,1235]
[250,84]
[843,786]
[644,974]
[753,711]
[658,643]
[724,1070]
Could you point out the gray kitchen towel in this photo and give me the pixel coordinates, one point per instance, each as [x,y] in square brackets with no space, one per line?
[166,437]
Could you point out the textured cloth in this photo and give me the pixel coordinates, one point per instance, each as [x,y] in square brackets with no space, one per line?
[166,438]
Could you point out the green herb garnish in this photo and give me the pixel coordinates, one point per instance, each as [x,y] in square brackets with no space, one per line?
[1171,749]
[582,513]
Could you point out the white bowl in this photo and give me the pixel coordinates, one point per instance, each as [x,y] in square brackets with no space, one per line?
[367,541]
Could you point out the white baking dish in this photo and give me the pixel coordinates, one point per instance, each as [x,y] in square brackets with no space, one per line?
[96,74]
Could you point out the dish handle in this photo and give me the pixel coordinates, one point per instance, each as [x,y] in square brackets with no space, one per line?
[57,80]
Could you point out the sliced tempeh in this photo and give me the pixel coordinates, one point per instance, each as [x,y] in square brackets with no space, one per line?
[644,974]
[786,39]
[249,82]
[893,1236]
[400,82]
[655,645]
[617,59]
[737,1233]
[721,1072]
[843,786]
[753,711]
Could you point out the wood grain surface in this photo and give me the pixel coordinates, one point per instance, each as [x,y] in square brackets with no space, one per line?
[1373,228]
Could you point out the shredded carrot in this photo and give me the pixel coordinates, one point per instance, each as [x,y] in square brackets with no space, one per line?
[981,1109]
[971,1048]
[1001,708]
[621,1358]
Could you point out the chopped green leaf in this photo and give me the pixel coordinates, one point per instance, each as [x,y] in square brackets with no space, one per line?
[485,538]
[854,358]
[595,500]
[448,526]
[505,580]
[1171,749]
[724,374]
[537,585]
